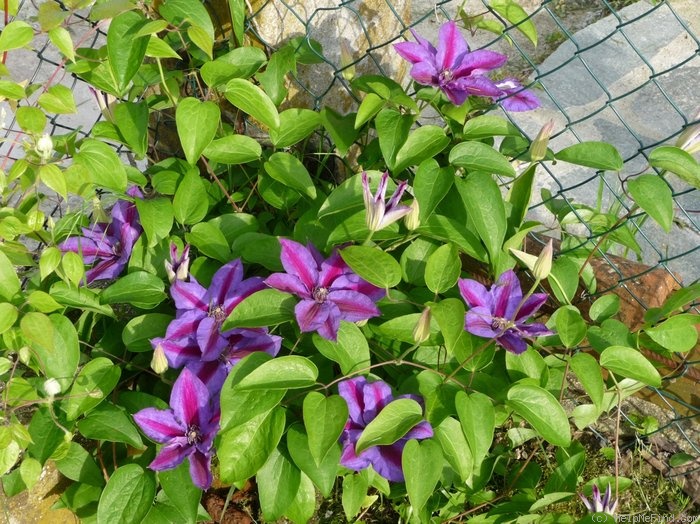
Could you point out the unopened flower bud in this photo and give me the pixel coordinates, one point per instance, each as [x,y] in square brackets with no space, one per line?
[412,220]
[52,387]
[178,267]
[346,60]
[689,139]
[543,264]
[538,148]
[421,332]
[159,362]
[44,147]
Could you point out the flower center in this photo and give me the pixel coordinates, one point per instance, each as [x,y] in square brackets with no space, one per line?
[445,76]
[218,313]
[502,324]
[194,436]
[320,294]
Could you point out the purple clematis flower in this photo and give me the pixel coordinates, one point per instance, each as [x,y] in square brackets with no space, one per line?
[600,504]
[515,97]
[329,290]
[196,331]
[454,69]
[187,429]
[365,400]
[500,313]
[108,246]
[379,213]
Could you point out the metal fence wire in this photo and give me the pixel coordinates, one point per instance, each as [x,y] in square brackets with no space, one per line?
[615,70]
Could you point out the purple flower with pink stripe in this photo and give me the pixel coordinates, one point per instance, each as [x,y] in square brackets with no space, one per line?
[329,290]
[187,428]
[365,400]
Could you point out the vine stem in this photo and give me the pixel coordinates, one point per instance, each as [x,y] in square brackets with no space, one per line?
[221,186]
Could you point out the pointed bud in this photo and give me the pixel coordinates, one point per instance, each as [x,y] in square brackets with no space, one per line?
[543,264]
[347,61]
[689,139]
[526,258]
[421,332]
[178,268]
[44,147]
[52,387]
[412,220]
[538,148]
[159,362]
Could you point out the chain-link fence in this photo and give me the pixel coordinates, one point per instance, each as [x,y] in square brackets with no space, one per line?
[613,70]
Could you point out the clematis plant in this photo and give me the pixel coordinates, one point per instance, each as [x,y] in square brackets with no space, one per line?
[329,290]
[459,72]
[365,400]
[108,246]
[501,312]
[187,428]
[379,213]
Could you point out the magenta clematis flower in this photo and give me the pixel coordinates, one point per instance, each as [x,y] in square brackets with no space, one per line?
[329,290]
[108,246]
[600,504]
[365,400]
[187,429]
[195,334]
[500,313]
[379,213]
[456,70]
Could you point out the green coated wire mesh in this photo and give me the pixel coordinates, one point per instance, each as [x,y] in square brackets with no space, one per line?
[615,70]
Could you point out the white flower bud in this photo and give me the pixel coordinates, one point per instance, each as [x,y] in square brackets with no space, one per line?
[538,148]
[52,387]
[159,362]
[412,220]
[421,332]
[44,147]
[543,264]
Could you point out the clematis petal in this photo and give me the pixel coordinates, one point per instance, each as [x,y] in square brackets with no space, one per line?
[375,396]
[225,281]
[298,261]
[189,295]
[506,295]
[311,315]
[533,330]
[353,306]
[213,374]
[414,52]
[171,455]
[353,282]
[475,294]
[532,303]
[351,391]
[189,399]
[87,248]
[479,321]
[512,342]
[288,284]
[425,73]
[209,339]
[243,290]
[179,351]
[419,431]
[478,85]
[331,269]
[185,324]
[451,46]
[455,94]
[424,43]
[479,62]
[521,100]
[329,329]
[386,460]
[200,470]
[106,269]
[348,457]
[158,424]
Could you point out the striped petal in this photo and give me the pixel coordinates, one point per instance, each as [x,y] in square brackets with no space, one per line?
[159,425]
[298,261]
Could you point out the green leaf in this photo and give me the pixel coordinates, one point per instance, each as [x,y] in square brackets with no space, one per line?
[354,494]
[373,264]
[152,27]
[12,90]
[95,381]
[454,447]
[401,329]
[140,289]
[261,309]
[323,474]
[111,423]
[102,164]
[678,162]
[190,203]
[197,123]
[564,279]
[157,48]
[288,372]
[519,197]
[485,210]
[674,302]
[278,481]
[517,16]
[132,121]
[58,99]
[588,372]
[53,177]
[348,196]
[179,11]
[422,466]
[9,282]
[478,419]
[31,119]
[209,241]
[391,423]
[55,343]
[82,298]
[139,330]
[443,269]
[14,35]
[604,307]
[8,317]
[598,155]
[430,186]
[392,130]
[654,196]
[527,364]
[477,156]
[371,105]
[259,248]
[242,62]
[156,216]
[542,411]
[288,170]
[124,49]
[340,127]
[183,494]
[127,497]
[571,327]
[324,419]
[487,126]
[78,465]
[273,79]
[238,407]
[243,449]
[29,471]
[630,363]
[678,333]
[202,39]
[73,267]
[295,125]
[233,149]
[422,144]
[350,351]
[252,100]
